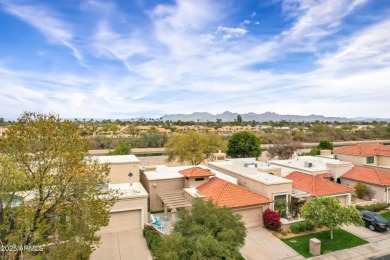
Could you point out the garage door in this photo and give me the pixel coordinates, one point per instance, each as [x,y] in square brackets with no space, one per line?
[124,220]
[252,217]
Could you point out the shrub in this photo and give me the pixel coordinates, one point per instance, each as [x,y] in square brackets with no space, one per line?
[147,228]
[361,190]
[289,231]
[152,237]
[302,226]
[373,207]
[295,228]
[284,232]
[272,220]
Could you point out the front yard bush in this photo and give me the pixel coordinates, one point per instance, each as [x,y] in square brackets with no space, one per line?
[152,237]
[284,232]
[373,207]
[302,227]
[272,220]
[295,228]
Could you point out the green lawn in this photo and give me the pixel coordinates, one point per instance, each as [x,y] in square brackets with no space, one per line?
[342,239]
[386,215]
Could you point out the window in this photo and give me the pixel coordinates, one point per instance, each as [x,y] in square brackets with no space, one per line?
[199,179]
[370,159]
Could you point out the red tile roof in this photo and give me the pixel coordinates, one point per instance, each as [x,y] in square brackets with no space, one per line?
[325,175]
[316,185]
[368,175]
[196,172]
[224,193]
[364,150]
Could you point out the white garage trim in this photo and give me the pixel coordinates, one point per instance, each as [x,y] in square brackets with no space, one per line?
[131,209]
[346,195]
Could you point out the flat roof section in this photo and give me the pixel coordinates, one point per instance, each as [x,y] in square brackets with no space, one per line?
[127,190]
[306,163]
[248,167]
[130,158]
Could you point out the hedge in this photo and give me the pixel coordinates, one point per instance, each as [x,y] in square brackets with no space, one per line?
[152,237]
[302,227]
[373,207]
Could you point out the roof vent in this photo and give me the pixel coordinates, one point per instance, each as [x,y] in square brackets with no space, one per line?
[250,165]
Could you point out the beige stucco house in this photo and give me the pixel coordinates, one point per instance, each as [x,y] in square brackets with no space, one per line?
[256,176]
[175,187]
[308,186]
[375,178]
[131,210]
[365,154]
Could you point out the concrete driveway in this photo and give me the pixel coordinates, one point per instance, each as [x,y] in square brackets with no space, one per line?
[366,234]
[261,244]
[122,246]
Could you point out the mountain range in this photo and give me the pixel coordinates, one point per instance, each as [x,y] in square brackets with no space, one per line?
[267,116]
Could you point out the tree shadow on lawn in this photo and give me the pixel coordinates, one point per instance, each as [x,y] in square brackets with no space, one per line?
[342,240]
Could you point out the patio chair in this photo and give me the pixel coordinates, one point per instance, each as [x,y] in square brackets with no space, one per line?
[153,218]
[159,224]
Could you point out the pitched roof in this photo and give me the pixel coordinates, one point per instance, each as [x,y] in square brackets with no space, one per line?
[325,175]
[364,149]
[224,193]
[316,185]
[368,175]
[196,172]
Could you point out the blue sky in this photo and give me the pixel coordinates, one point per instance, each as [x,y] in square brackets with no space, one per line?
[123,59]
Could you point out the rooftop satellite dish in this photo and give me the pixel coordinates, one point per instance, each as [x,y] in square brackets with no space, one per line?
[130,175]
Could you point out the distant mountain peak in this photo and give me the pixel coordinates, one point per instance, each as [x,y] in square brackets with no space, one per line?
[229,116]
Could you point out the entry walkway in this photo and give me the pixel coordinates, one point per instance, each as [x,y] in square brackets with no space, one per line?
[126,245]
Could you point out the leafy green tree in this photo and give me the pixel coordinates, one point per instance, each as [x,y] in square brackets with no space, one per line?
[193,147]
[328,212]
[205,232]
[121,149]
[244,144]
[49,190]
[325,145]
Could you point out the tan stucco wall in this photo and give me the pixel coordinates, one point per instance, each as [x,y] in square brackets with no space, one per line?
[380,194]
[388,195]
[191,183]
[119,171]
[343,198]
[384,160]
[155,202]
[355,160]
[337,170]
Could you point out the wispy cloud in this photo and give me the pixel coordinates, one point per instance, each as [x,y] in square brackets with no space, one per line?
[192,56]
[43,19]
